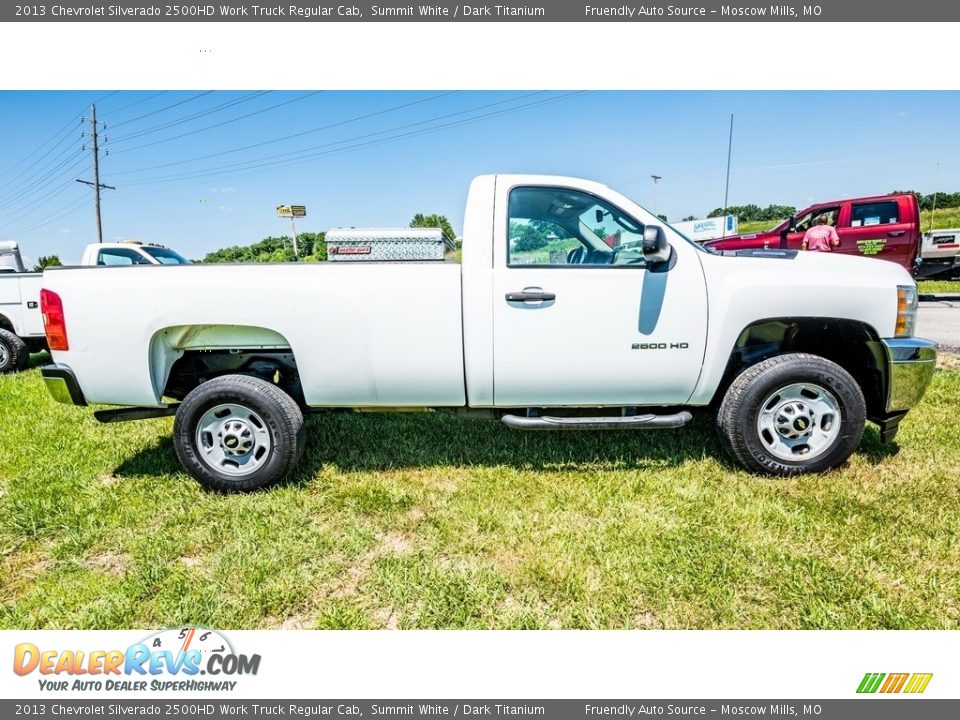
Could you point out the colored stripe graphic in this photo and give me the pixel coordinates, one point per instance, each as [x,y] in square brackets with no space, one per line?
[870,682]
[894,682]
[918,683]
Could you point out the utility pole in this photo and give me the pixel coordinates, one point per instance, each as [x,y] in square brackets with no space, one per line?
[726,191]
[96,184]
[936,184]
[656,205]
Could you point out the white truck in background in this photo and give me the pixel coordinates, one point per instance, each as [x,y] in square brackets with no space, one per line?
[572,308]
[21,324]
[940,254]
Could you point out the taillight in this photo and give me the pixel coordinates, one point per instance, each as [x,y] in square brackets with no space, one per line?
[54,324]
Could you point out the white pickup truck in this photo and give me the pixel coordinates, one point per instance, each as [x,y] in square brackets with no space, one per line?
[572,308]
[21,325]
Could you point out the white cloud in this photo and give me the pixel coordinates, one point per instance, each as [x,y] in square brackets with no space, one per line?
[226,189]
[226,208]
[65,231]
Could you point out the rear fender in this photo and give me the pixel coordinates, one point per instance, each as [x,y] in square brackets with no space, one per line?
[169,344]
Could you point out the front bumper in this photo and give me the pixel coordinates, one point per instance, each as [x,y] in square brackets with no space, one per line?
[910,366]
[62,384]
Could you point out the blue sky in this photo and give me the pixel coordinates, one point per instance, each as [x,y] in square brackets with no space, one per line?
[187,176]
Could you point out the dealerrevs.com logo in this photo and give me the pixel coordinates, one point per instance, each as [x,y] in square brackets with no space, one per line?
[172,659]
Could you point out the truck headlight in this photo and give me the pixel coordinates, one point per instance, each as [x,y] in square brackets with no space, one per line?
[907,303]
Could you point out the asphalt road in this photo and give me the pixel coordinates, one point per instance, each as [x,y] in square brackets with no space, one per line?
[939,320]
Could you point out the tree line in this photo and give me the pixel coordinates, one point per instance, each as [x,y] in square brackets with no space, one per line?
[779,212]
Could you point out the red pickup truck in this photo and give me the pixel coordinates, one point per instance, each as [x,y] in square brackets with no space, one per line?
[885,226]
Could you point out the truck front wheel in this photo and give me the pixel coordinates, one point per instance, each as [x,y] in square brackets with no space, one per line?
[792,414]
[238,433]
[14,354]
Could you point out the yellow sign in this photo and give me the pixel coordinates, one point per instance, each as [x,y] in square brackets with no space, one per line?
[291,211]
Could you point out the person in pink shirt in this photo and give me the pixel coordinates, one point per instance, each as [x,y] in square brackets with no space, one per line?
[822,237]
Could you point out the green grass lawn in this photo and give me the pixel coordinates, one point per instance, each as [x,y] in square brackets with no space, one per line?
[939,287]
[428,521]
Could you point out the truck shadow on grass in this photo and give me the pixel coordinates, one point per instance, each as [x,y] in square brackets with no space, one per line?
[352,442]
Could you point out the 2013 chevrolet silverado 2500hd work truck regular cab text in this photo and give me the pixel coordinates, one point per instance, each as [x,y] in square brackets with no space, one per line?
[572,308]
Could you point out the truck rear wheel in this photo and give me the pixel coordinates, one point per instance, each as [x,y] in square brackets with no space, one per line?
[238,433]
[792,414]
[14,354]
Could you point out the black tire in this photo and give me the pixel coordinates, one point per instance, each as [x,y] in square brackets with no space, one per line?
[265,409]
[761,449]
[14,355]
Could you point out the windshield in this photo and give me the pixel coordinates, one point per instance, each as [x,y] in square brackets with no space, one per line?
[165,256]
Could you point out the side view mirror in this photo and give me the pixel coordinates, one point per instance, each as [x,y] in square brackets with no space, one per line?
[792,224]
[656,249]
[600,215]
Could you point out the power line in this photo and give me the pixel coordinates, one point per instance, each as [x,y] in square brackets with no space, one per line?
[59,171]
[299,152]
[23,210]
[292,136]
[163,109]
[66,210]
[221,124]
[190,117]
[42,157]
[138,102]
[255,164]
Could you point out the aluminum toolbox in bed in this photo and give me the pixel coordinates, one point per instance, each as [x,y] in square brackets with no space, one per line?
[386,244]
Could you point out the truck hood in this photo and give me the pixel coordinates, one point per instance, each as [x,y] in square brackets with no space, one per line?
[755,285]
[831,269]
[721,243]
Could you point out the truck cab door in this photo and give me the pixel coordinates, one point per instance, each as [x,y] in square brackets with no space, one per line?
[579,317]
[880,228]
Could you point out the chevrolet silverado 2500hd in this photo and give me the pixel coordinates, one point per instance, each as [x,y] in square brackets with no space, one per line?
[572,308]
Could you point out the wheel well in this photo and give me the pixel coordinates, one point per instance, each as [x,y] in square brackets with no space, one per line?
[5,324]
[849,343]
[194,367]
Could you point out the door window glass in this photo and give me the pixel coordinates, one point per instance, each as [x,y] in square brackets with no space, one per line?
[811,218]
[121,256]
[877,213]
[560,227]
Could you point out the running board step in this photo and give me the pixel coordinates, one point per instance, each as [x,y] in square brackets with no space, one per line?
[627,422]
[134,413]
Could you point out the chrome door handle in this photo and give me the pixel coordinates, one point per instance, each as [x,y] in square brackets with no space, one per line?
[525,296]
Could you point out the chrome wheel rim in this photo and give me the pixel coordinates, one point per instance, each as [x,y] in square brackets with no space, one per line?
[4,355]
[233,439]
[799,422]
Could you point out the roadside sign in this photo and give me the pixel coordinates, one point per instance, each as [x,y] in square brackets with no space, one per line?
[708,228]
[291,211]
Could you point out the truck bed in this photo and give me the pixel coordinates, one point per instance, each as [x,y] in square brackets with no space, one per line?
[377,334]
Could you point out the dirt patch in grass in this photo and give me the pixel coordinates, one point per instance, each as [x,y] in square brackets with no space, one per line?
[109,562]
[646,620]
[294,622]
[387,617]
[948,361]
[396,543]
